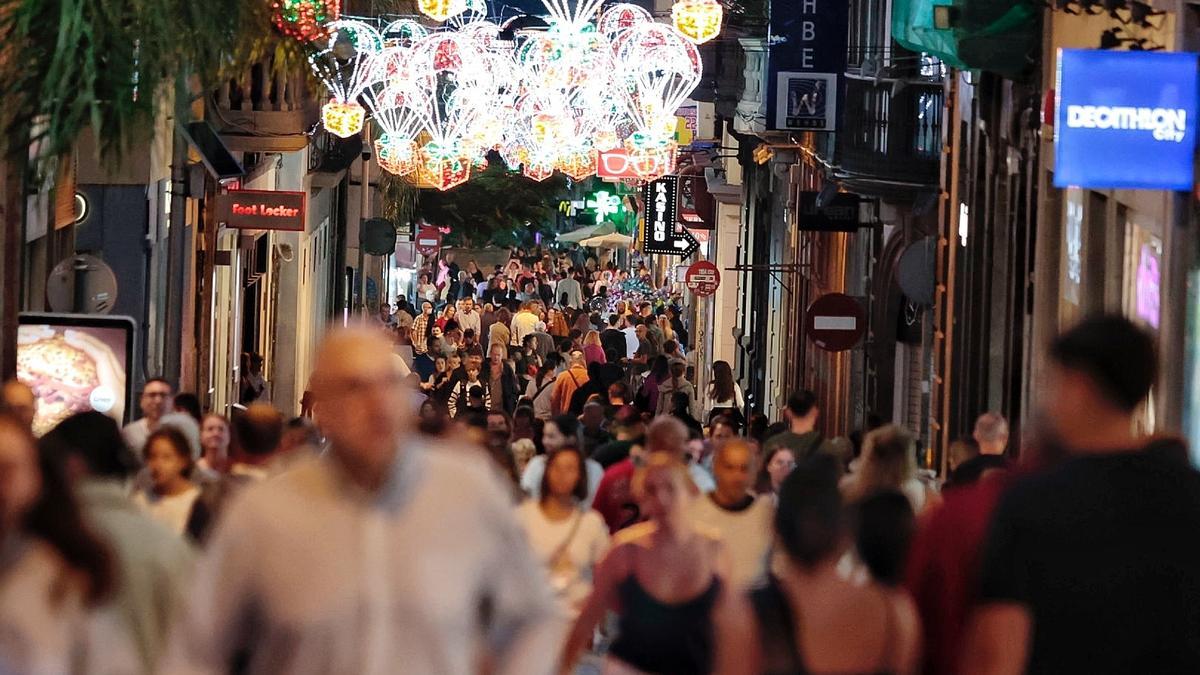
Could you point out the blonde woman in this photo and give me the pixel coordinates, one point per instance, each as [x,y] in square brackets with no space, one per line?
[667,579]
[593,350]
[889,463]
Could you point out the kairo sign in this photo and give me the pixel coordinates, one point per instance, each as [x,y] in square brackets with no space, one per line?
[702,278]
[262,210]
[1125,119]
[659,233]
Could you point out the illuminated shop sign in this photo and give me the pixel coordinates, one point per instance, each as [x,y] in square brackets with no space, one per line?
[262,210]
[1125,119]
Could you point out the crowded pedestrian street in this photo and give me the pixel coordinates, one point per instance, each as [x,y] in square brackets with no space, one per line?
[599,337]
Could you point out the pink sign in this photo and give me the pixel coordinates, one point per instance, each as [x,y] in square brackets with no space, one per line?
[1149,284]
[616,165]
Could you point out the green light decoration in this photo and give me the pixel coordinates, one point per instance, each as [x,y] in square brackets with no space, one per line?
[604,205]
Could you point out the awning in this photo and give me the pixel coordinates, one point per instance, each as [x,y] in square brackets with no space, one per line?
[610,240]
[577,236]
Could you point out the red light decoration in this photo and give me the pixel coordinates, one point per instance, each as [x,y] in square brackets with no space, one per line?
[304,20]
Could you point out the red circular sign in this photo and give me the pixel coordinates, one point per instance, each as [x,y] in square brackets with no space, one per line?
[428,241]
[836,322]
[702,278]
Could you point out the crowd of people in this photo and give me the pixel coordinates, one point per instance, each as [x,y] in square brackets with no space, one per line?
[451,523]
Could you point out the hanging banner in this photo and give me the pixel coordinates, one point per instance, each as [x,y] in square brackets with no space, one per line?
[805,69]
[697,207]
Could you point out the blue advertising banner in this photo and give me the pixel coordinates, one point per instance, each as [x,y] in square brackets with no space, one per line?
[806,63]
[1125,120]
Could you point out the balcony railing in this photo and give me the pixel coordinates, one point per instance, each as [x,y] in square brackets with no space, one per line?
[895,131]
[264,109]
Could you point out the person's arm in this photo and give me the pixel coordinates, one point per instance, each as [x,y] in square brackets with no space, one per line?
[452,403]
[527,624]
[736,650]
[216,622]
[613,569]
[998,633]
[997,640]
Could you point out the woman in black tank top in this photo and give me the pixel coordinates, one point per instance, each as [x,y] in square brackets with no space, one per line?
[809,525]
[664,578]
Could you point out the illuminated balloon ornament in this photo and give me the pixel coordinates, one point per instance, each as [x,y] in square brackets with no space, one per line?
[443,167]
[304,20]
[345,66]
[698,20]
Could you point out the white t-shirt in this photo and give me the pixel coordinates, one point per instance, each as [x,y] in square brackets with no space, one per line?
[746,533]
[172,511]
[632,342]
[571,577]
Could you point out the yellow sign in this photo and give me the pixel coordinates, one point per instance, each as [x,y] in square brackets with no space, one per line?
[683,135]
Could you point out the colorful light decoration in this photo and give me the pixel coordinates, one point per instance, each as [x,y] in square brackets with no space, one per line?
[546,101]
[698,20]
[344,64]
[396,155]
[304,20]
[342,118]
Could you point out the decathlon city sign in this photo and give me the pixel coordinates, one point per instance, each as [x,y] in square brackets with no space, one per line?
[1125,119]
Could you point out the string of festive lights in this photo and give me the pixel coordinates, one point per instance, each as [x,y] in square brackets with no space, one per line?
[545,100]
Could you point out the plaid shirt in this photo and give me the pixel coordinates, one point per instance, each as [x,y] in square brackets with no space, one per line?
[420,335]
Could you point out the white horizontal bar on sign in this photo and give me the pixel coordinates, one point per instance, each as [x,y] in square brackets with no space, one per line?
[835,323]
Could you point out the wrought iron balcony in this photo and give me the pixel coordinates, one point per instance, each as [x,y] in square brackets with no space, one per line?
[891,131]
[264,109]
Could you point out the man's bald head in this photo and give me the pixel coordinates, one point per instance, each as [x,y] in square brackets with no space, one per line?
[18,400]
[666,434]
[360,401]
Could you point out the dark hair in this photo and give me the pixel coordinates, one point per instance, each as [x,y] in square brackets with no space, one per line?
[475,350]
[722,388]
[56,519]
[757,428]
[189,403]
[476,392]
[809,517]
[564,345]
[568,425]
[723,420]
[178,442]
[613,319]
[580,490]
[884,530]
[258,430]
[1116,355]
[670,347]
[802,402]
[96,439]
[451,324]
[660,368]
[504,316]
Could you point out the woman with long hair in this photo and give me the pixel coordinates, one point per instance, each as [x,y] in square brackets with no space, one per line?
[568,537]
[725,395]
[676,382]
[499,333]
[172,494]
[560,432]
[889,464]
[810,619]
[776,467]
[664,324]
[448,313]
[474,271]
[556,323]
[53,570]
[665,578]
[647,398]
[593,351]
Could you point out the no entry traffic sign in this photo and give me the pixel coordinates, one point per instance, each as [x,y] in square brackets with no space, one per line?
[836,322]
[702,278]
[429,241]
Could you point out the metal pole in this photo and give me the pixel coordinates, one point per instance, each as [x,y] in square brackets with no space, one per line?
[363,215]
